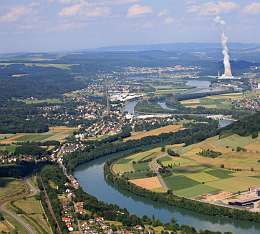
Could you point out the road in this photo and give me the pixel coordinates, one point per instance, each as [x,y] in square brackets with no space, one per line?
[3,208]
[155,168]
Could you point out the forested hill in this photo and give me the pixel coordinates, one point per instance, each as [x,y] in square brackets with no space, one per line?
[245,127]
[41,81]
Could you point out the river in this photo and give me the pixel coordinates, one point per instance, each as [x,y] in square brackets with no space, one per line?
[201,86]
[91,178]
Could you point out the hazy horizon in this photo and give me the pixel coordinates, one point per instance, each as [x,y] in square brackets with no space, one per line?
[69,25]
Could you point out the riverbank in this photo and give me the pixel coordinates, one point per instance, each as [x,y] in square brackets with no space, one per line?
[172,200]
[101,213]
[91,178]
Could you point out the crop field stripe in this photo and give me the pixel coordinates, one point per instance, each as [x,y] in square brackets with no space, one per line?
[141,166]
[219,173]
[196,190]
[179,182]
[235,184]
[201,177]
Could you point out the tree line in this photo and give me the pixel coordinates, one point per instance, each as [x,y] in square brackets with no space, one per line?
[198,133]
[245,127]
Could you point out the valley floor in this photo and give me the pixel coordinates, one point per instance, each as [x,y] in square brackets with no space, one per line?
[222,170]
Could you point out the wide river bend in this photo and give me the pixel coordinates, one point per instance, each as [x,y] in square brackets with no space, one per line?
[91,178]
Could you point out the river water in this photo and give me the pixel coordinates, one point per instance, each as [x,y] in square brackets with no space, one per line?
[91,178]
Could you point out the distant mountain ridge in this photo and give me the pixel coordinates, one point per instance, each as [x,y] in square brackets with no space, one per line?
[178,46]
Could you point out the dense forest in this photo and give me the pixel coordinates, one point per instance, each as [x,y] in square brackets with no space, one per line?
[245,127]
[30,149]
[35,81]
[18,117]
[20,169]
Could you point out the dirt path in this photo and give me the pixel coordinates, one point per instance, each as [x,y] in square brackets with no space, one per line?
[155,168]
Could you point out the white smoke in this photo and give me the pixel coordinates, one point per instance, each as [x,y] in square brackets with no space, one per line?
[219,21]
[224,40]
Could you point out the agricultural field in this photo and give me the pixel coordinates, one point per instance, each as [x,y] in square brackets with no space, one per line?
[161,87]
[10,186]
[155,132]
[151,183]
[8,148]
[33,213]
[6,227]
[30,101]
[169,90]
[192,175]
[44,65]
[55,133]
[4,136]
[19,199]
[10,225]
[218,101]
[136,162]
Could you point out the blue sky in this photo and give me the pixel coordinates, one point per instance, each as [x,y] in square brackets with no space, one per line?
[56,25]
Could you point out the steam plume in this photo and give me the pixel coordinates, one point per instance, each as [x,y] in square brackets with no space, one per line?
[224,40]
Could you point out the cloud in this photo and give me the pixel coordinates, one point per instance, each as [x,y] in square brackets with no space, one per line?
[97,12]
[137,10]
[167,19]
[211,8]
[71,10]
[163,13]
[84,9]
[122,2]
[253,8]
[17,12]
[66,26]
[97,2]
[219,20]
[66,1]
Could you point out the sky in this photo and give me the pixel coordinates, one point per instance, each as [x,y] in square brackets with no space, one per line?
[65,25]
